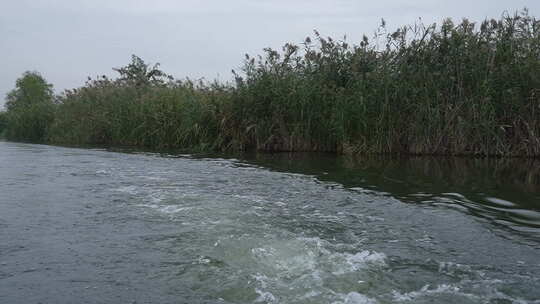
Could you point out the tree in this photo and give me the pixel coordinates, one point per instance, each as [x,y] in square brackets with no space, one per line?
[29,90]
[139,73]
[3,121]
[30,108]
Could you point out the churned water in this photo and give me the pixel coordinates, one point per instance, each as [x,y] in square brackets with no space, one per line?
[95,226]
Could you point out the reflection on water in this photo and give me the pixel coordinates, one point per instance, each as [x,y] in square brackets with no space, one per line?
[506,191]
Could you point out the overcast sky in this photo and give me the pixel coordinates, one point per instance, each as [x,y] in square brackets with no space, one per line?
[68,40]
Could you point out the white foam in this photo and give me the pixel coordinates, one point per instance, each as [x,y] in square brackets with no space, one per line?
[367,257]
[261,279]
[154,178]
[310,294]
[357,298]
[127,189]
[168,209]
[359,261]
[425,290]
[262,252]
[265,296]
[451,268]
[319,243]
[253,198]
[203,260]
[156,197]
[173,209]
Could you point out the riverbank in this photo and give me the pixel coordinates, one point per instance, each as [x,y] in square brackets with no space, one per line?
[453,89]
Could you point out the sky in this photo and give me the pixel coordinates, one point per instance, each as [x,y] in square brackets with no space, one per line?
[69,40]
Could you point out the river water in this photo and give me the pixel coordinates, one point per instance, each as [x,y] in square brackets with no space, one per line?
[97,226]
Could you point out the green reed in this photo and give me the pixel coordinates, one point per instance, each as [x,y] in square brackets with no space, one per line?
[449,89]
[462,88]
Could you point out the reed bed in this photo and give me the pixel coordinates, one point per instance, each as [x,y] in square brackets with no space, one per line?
[452,89]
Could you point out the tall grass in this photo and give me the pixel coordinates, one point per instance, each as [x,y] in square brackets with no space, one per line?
[449,89]
[177,115]
[462,88]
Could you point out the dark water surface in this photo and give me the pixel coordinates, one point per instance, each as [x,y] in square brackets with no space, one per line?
[95,226]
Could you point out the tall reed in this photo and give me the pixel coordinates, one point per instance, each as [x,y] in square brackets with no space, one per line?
[461,88]
[449,89]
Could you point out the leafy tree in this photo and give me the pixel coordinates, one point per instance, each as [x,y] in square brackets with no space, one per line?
[3,122]
[139,73]
[29,90]
[30,108]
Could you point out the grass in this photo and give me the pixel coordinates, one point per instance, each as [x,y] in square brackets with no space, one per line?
[452,89]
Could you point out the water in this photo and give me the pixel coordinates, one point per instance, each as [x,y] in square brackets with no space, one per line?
[95,226]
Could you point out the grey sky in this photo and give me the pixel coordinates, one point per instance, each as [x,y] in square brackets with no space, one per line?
[68,40]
